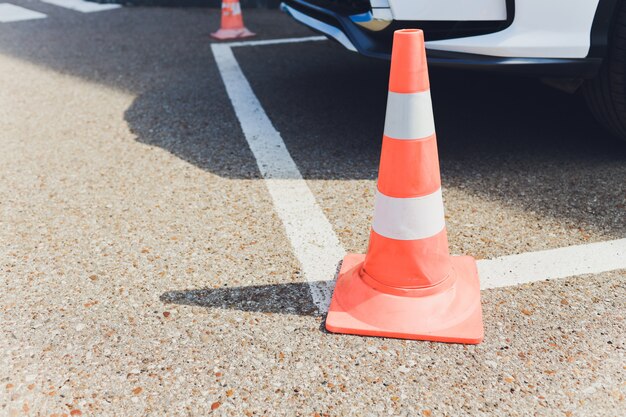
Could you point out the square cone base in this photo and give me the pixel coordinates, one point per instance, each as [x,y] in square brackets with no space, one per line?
[225,34]
[453,315]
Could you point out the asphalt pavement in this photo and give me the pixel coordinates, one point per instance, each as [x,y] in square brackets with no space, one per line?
[145,270]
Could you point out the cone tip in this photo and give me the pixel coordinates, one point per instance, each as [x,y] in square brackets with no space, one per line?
[409,71]
[409,32]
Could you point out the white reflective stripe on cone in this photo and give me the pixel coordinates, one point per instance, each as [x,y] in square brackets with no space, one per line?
[408,218]
[409,116]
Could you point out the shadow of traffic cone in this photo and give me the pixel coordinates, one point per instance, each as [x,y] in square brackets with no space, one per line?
[407,285]
[231,26]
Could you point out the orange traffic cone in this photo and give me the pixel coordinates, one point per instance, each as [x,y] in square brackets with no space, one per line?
[407,285]
[232,22]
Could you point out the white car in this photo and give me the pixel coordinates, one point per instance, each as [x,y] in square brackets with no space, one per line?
[572,44]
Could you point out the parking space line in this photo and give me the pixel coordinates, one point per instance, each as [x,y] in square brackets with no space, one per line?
[264,42]
[12,13]
[592,258]
[82,6]
[310,233]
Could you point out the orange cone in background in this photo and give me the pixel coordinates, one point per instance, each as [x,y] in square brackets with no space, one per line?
[407,285]
[232,22]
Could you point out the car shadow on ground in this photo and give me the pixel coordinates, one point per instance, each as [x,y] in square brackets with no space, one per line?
[504,138]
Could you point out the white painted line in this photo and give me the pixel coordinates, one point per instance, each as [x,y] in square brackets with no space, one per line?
[275,41]
[82,6]
[553,263]
[313,239]
[12,13]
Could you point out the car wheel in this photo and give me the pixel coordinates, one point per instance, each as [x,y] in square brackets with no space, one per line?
[606,93]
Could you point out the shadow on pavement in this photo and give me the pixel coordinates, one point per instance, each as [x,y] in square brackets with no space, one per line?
[506,139]
[291,298]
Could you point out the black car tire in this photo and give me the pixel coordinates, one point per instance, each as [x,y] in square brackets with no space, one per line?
[606,93]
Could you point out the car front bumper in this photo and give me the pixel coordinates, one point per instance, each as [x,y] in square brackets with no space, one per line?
[342,28]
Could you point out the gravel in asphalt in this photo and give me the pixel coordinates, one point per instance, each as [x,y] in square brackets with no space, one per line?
[145,272]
